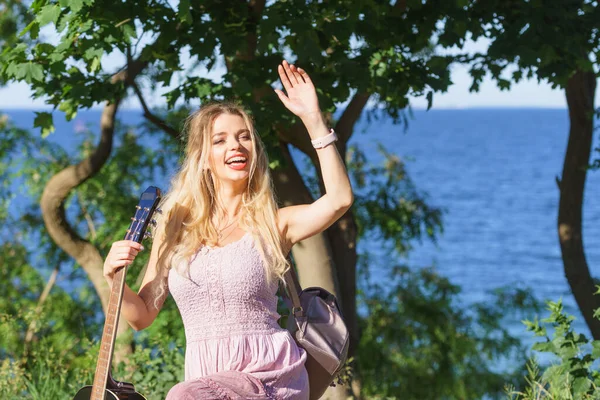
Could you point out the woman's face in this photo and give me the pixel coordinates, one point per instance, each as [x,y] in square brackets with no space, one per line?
[231,148]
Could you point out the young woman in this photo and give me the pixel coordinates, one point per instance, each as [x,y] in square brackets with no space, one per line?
[221,246]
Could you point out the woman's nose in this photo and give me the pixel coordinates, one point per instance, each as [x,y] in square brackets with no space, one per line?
[234,144]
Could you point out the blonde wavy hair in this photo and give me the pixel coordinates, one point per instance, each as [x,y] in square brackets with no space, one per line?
[186,222]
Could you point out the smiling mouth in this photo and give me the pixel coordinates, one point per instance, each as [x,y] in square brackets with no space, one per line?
[237,161]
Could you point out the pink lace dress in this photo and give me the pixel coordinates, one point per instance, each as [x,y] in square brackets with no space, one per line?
[235,349]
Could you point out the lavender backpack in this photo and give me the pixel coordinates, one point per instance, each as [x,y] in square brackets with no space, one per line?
[318,327]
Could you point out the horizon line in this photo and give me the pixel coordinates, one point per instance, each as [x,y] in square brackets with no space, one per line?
[417,108]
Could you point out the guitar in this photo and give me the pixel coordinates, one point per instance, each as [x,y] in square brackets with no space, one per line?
[104,386]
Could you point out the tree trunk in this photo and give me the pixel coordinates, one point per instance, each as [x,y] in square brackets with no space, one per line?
[62,184]
[55,194]
[342,236]
[580,92]
[329,259]
[52,203]
[313,256]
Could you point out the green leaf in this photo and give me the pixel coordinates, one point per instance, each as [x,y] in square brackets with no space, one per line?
[580,386]
[45,121]
[30,72]
[57,56]
[129,31]
[93,52]
[544,347]
[429,100]
[48,14]
[11,70]
[33,28]
[75,5]
[596,349]
[184,11]
[95,66]
[69,109]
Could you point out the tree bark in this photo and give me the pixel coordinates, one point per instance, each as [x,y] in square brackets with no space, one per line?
[313,255]
[580,92]
[55,194]
[52,203]
[343,234]
[342,238]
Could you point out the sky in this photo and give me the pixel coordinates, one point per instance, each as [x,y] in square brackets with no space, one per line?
[528,93]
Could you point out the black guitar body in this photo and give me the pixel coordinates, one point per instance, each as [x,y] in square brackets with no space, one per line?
[114,391]
[86,392]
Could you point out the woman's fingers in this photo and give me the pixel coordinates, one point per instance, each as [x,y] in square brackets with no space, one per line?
[304,75]
[297,74]
[282,97]
[290,74]
[284,78]
[122,253]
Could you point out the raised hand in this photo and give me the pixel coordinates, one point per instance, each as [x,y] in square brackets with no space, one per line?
[301,96]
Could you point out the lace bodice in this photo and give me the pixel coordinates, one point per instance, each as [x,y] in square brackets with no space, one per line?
[225,292]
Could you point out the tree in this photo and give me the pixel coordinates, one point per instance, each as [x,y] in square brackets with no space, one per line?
[13,18]
[49,309]
[557,43]
[355,52]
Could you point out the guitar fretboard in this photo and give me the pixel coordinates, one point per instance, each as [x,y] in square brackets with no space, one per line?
[111,323]
[109,335]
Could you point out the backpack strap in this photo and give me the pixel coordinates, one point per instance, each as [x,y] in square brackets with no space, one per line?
[293,288]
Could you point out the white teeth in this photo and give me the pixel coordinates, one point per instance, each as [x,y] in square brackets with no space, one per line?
[236,159]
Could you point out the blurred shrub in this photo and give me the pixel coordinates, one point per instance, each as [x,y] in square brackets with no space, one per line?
[574,372]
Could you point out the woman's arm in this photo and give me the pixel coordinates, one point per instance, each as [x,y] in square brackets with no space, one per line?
[302,221]
[137,308]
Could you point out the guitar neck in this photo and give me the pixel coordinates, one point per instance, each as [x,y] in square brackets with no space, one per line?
[136,232]
[109,335]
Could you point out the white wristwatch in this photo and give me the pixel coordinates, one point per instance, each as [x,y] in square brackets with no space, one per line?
[321,142]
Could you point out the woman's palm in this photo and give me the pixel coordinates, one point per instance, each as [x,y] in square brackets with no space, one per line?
[301,96]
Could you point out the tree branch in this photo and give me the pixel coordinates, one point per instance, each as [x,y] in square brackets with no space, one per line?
[345,125]
[159,123]
[88,218]
[255,10]
[297,136]
[400,5]
[38,309]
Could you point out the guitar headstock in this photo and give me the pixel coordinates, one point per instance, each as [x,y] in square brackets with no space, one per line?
[144,211]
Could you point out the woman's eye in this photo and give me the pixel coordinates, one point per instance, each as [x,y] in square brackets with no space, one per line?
[219,141]
[245,137]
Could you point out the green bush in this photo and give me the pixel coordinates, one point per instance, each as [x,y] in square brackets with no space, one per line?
[572,375]
[418,342]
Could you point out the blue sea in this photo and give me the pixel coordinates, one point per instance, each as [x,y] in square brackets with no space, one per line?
[493,171]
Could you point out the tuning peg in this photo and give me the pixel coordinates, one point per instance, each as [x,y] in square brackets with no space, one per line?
[148,234]
[153,222]
[158,210]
